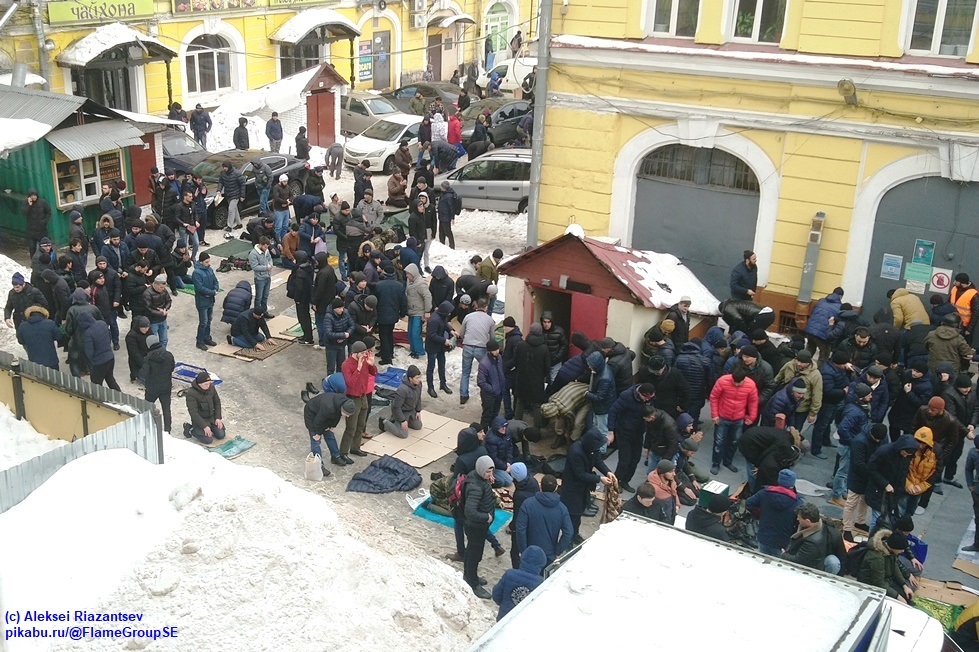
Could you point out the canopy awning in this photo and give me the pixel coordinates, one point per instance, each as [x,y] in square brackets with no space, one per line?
[465,19]
[94,138]
[89,47]
[296,28]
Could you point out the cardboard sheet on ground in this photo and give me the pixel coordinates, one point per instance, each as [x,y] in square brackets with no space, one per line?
[436,439]
[280,325]
[967,562]
[279,279]
[807,488]
[229,351]
[232,448]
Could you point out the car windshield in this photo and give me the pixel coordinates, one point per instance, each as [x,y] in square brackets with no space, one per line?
[380,106]
[473,111]
[210,171]
[450,97]
[179,144]
[384,130]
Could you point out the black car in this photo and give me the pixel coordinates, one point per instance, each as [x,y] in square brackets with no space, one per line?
[505,115]
[210,171]
[448,91]
[180,151]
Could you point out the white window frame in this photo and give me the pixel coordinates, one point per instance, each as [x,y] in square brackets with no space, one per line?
[216,27]
[936,35]
[674,14]
[197,55]
[756,26]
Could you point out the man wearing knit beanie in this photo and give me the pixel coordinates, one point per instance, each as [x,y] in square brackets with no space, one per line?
[856,418]
[22,295]
[157,302]
[836,375]
[479,508]
[776,505]
[406,406]
[880,567]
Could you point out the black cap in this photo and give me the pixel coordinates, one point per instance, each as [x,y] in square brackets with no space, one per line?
[492,345]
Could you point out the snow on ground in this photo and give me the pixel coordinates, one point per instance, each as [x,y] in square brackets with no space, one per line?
[480,232]
[214,548]
[19,442]
[17,132]
[8,336]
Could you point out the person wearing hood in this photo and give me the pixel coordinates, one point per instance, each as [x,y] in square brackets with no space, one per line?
[557,341]
[97,344]
[861,449]
[22,295]
[61,294]
[776,507]
[620,359]
[204,407]
[157,377]
[75,329]
[916,390]
[136,347]
[601,393]
[907,307]
[299,288]
[39,335]
[972,482]
[821,317]
[239,300]
[923,466]
[372,268]
[531,373]
[206,289]
[406,406]
[478,512]
[946,344]
[419,300]
[888,472]
[880,567]
[693,366]
[525,486]
[37,213]
[449,206]
[580,477]
[439,338]
[517,584]
[440,286]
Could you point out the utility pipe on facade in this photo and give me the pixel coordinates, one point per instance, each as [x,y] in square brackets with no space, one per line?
[43,66]
[540,102]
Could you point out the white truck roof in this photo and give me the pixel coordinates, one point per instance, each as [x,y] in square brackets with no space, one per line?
[676,590]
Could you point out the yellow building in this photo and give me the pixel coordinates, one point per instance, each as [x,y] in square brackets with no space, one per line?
[192,51]
[707,127]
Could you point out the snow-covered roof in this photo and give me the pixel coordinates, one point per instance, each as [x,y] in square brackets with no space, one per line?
[294,29]
[7,78]
[283,95]
[106,37]
[147,118]
[466,19]
[19,132]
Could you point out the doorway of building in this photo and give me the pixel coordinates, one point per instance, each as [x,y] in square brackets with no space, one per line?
[435,55]
[573,311]
[382,60]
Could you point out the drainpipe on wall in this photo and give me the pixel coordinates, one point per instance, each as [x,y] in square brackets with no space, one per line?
[809,270]
[43,65]
[540,102]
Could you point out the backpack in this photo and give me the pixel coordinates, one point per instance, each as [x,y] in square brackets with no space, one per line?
[854,559]
[457,204]
[456,494]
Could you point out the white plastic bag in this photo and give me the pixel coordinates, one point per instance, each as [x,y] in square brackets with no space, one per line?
[416,499]
[314,468]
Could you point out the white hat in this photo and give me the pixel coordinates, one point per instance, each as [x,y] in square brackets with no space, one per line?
[283,177]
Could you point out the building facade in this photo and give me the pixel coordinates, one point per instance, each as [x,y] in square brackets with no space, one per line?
[200,51]
[707,127]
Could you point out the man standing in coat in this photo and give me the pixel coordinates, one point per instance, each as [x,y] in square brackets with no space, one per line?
[22,295]
[206,289]
[357,371]
[39,335]
[544,521]
[392,305]
[204,408]
[679,314]
[449,206]
[579,479]
[855,420]
[626,426]
[477,329]
[733,405]
[273,131]
[406,406]
[744,277]
[419,300]
[862,449]
[479,510]
[200,124]
[157,377]
[36,212]
[888,473]
[557,341]
[231,186]
[299,288]
[156,303]
[531,372]
[489,379]
[965,298]
[240,136]
[808,407]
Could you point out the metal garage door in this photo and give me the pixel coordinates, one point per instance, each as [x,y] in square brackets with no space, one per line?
[701,205]
[932,209]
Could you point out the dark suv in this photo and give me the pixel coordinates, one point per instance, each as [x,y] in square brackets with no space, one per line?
[210,171]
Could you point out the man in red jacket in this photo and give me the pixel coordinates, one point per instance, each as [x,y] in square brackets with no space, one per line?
[733,405]
[357,370]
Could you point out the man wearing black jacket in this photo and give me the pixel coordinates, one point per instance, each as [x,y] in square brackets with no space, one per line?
[157,377]
[299,288]
[321,415]
[324,292]
[479,509]
[861,450]
[672,390]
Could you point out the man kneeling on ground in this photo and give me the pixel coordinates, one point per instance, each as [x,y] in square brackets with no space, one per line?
[204,408]
[251,331]
[406,406]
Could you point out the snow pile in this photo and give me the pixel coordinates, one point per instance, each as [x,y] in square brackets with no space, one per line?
[17,132]
[215,548]
[667,279]
[8,336]
[104,38]
[480,232]
[19,442]
[7,78]
[294,29]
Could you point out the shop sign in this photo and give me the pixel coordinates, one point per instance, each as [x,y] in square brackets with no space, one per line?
[365,61]
[96,11]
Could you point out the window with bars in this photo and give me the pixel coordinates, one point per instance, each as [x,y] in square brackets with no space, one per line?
[942,26]
[699,166]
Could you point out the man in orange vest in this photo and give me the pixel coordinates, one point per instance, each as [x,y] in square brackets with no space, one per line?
[965,297]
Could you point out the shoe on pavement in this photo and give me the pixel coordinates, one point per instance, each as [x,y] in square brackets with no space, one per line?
[115,346]
[835,500]
[326,471]
[347,459]
[380,424]
[955,483]
[715,469]
[455,556]
[311,388]
[819,456]
[731,468]
[937,488]
[828,485]
[591,511]
[304,395]
[338,461]
[229,341]
[463,400]
[481,593]
[499,551]
[970,549]
[482,581]
[445,389]
[433,393]
[202,346]
[624,486]
[358,453]
[210,342]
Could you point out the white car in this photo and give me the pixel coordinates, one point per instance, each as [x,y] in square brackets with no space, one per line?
[496,181]
[378,143]
[511,72]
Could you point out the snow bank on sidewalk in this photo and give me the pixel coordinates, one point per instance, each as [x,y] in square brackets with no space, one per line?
[19,441]
[233,555]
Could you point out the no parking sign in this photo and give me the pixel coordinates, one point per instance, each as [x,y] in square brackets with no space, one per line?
[941,280]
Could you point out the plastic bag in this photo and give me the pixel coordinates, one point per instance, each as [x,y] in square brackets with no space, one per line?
[314,468]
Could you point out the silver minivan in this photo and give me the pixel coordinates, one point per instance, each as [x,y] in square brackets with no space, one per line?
[359,110]
[496,181]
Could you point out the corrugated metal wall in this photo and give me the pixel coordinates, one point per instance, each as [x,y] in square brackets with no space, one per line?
[24,169]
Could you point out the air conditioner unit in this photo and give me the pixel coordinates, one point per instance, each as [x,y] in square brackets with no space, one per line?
[418,21]
[419,5]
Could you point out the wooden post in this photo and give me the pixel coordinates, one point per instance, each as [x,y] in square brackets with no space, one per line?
[18,383]
[353,65]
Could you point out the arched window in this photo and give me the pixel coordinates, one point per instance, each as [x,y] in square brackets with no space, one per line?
[497,24]
[699,166]
[308,52]
[208,64]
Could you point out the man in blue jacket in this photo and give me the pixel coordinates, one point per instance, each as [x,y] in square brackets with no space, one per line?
[837,374]
[744,277]
[625,423]
[489,379]
[205,290]
[544,521]
[602,392]
[818,324]
[39,335]
[273,130]
[516,584]
[856,420]
[775,506]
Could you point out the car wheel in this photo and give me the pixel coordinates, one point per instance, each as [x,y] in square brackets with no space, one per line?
[219,219]
[389,165]
[522,206]
[296,186]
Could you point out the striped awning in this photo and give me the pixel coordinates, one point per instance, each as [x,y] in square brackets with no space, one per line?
[91,139]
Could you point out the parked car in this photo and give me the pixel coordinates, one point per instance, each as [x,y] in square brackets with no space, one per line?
[505,115]
[180,151]
[359,110]
[379,142]
[210,171]
[511,72]
[449,93]
[497,181]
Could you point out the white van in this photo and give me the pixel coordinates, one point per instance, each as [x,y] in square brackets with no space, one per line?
[511,72]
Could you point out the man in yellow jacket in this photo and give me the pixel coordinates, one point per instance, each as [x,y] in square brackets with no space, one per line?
[906,308]
[924,464]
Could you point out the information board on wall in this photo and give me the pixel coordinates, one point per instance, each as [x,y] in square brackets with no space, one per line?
[365,60]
